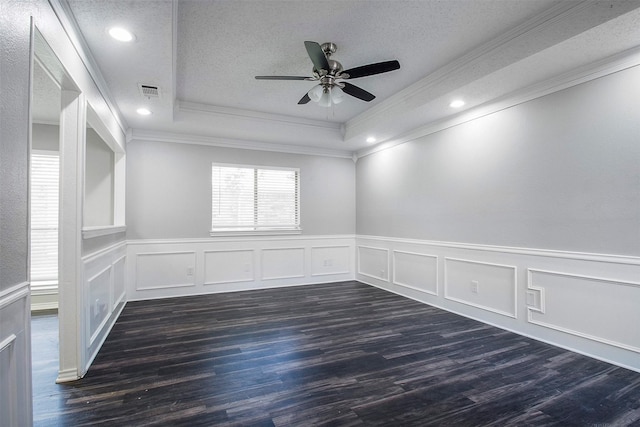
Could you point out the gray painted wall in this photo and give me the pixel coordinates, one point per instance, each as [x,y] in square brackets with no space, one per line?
[169,189]
[45,137]
[14,143]
[98,189]
[560,172]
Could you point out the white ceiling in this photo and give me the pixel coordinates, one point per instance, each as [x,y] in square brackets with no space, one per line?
[204,55]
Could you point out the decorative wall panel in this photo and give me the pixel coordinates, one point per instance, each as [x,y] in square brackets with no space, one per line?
[285,263]
[483,285]
[330,260]
[228,266]
[416,271]
[165,270]
[373,262]
[603,310]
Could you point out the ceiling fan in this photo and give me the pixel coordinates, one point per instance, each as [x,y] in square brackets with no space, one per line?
[328,71]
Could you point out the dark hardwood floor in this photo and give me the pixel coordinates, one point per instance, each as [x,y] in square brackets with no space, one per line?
[335,354]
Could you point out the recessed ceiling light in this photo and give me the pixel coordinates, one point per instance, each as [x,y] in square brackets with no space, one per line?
[457,103]
[120,34]
[371,140]
[143,111]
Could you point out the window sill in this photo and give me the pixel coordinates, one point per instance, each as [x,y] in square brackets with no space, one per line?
[102,230]
[44,287]
[231,233]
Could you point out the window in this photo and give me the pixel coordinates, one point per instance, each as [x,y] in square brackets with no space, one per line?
[44,219]
[247,198]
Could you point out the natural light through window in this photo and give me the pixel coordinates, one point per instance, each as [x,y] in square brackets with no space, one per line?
[44,220]
[247,199]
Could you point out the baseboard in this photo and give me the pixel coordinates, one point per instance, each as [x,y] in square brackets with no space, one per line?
[581,302]
[68,375]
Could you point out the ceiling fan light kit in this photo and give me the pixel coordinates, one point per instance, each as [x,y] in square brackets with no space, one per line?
[328,71]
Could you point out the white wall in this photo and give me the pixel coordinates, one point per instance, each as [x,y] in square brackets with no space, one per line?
[169,189]
[559,172]
[528,219]
[171,253]
[99,184]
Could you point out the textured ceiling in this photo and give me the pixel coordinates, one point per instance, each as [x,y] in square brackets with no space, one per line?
[204,55]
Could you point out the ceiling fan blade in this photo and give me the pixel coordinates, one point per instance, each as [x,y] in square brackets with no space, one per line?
[357,92]
[317,56]
[371,69]
[283,78]
[304,99]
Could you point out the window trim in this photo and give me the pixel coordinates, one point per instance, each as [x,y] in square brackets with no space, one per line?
[263,231]
[48,286]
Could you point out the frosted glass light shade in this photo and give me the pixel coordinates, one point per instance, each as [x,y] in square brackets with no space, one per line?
[315,93]
[337,96]
[325,100]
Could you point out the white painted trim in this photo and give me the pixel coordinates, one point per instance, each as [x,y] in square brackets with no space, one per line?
[175,286]
[504,328]
[513,315]
[104,251]
[43,306]
[14,293]
[102,230]
[331,247]
[7,342]
[178,285]
[63,11]
[597,69]
[67,375]
[238,233]
[540,306]
[281,119]
[237,239]
[395,282]
[117,299]
[571,331]
[473,58]
[581,256]
[359,271]
[153,136]
[253,263]
[297,276]
[87,305]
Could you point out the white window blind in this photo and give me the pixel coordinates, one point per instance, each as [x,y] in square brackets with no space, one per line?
[246,198]
[45,171]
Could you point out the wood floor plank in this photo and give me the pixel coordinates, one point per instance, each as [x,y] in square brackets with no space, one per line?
[334,354]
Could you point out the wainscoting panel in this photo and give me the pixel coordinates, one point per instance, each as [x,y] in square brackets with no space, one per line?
[603,310]
[165,270]
[99,307]
[15,354]
[373,262]
[587,303]
[228,266]
[119,280]
[483,285]
[416,271]
[104,296]
[282,263]
[330,260]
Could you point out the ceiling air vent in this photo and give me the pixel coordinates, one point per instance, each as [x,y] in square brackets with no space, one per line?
[149,91]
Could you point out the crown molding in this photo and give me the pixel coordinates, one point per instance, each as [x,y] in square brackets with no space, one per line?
[174,56]
[218,111]
[154,136]
[612,64]
[63,11]
[565,19]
